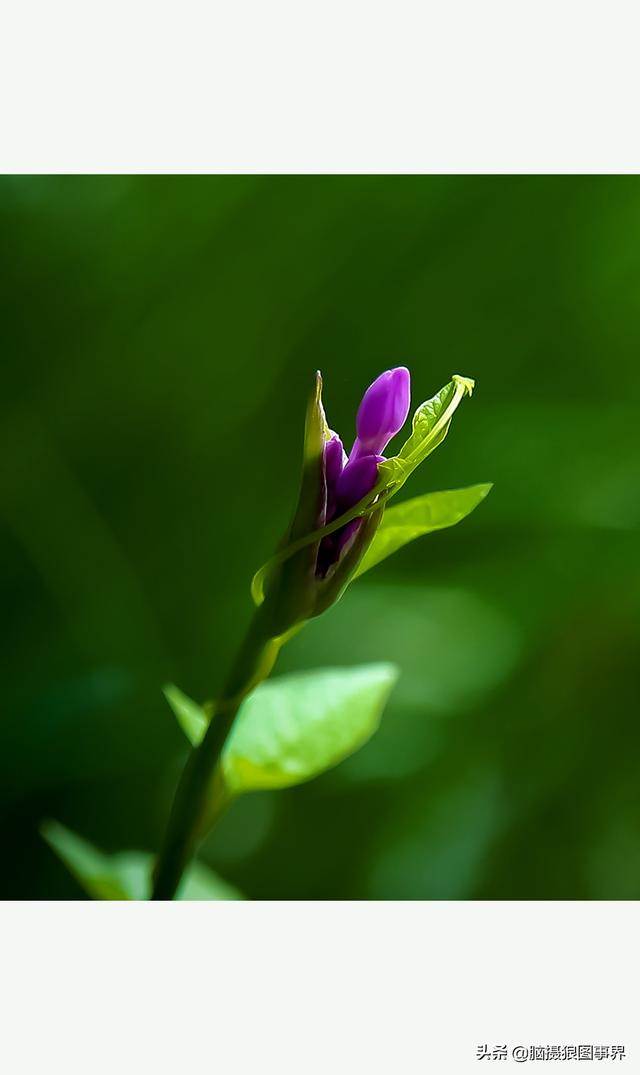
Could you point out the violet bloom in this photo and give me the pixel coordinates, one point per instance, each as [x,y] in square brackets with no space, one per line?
[382,413]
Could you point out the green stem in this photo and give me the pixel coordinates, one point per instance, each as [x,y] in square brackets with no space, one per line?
[200,797]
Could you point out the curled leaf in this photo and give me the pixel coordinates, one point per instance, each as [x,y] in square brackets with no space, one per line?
[429,427]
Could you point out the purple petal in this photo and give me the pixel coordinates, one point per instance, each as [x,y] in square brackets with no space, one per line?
[381,415]
[383,412]
[346,533]
[335,459]
[356,480]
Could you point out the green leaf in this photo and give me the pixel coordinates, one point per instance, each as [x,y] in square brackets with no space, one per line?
[429,427]
[127,874]
[421,515]
[201,883]
[331,588]
[190,716]
[311,498]
[426,418]
[294,727]
[100,875]
[287,578]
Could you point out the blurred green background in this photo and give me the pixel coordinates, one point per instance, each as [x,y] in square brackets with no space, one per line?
[158,336]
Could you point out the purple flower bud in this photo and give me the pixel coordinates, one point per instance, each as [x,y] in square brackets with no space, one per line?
[356,480]
[381,415]
[383,412]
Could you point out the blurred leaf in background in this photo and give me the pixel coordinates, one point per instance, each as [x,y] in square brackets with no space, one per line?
[159,332]
[126,875]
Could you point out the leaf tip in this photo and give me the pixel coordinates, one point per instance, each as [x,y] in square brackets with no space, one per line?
[190,716]
[466,383]
[48,828]
[174,696]
[391,674]
[391,670]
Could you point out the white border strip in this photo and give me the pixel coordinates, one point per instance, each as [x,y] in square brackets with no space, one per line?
[314,988]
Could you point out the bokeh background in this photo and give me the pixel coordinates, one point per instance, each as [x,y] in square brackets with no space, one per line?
[158,335]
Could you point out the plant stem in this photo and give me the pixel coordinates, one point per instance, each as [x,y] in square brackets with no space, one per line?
[191,813]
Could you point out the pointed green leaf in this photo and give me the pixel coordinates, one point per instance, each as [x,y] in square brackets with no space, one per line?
[421,515]
[288,586]
[312,496]
[190,716]
[294,727]
[331,588]
[427,417]
[430,426]
[97,873]
[127,874]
